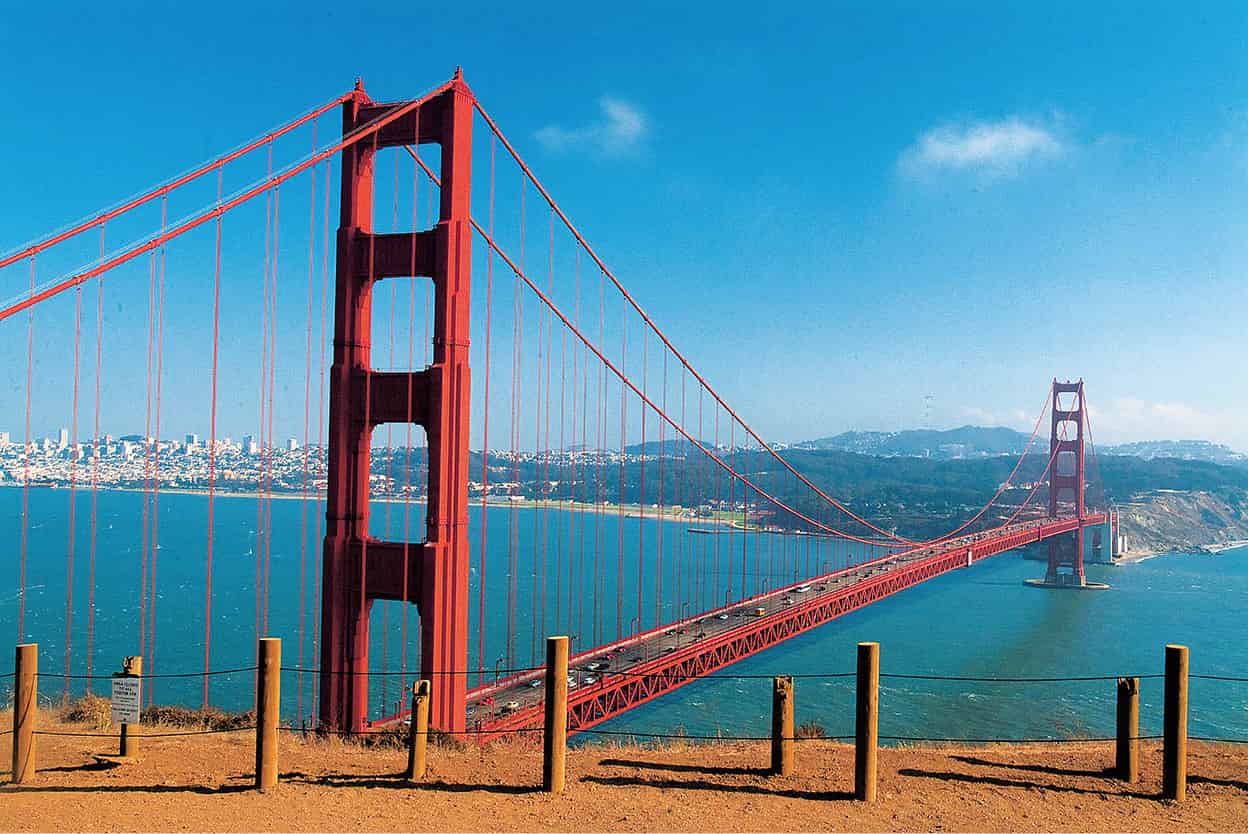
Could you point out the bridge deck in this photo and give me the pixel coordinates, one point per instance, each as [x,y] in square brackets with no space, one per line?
[636,670]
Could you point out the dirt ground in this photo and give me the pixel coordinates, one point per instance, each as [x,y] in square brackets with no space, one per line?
[203,783]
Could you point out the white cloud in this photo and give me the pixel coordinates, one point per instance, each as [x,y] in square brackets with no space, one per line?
[621,129]
[998,148]
[1012,418]
[1128,418]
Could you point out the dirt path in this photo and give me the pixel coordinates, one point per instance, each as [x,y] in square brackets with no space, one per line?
[202,783]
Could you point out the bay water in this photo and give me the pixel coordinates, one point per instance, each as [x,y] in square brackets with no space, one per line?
[977,623]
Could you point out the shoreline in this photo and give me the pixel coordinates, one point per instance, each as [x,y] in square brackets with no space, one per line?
[1208,549]
[606,507]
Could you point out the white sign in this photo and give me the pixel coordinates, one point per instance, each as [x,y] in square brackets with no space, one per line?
[126,700]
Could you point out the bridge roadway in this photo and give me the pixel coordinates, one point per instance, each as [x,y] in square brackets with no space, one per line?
[608,680]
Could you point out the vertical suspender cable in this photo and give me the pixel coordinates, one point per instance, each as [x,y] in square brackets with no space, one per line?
[661,524]
[320,413]
[619,498]
[272,445]
[601,431]
[26,453]
[550,320]
[160,365]
[485,432]
[561,518]
[95,469]
[147,458]
[73,502]
[307,439]
[212,447]
[368,418]
[641,487]
[264,348]
[578,519]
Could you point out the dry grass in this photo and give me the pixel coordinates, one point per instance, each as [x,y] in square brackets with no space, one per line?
[207,718]
[96,712]
[92,710]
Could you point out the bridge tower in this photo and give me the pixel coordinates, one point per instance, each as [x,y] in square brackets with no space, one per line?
[1067,482]
[357,568]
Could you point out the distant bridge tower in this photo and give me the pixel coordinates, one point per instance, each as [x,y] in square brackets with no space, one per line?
[1066,482]
[357,568]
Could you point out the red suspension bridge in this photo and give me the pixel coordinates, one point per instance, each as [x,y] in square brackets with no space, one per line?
[600,441]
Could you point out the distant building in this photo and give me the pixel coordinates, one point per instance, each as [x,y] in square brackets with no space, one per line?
[192,440]
[292,445]
[4,439]
[62,438]
[249,445]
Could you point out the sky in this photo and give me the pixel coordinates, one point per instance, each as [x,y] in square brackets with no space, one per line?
[848,216]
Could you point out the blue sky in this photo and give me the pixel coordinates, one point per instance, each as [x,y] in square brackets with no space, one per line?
[835,209]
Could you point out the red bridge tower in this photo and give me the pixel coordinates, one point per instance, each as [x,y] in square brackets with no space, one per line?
[357,568]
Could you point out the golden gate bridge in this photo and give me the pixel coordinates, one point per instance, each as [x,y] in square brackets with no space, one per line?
[570,370]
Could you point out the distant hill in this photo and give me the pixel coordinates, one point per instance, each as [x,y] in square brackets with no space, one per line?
[964,442]
[1181,450]
[980,441]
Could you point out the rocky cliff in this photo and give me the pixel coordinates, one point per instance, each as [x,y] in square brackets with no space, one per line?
[1164,521]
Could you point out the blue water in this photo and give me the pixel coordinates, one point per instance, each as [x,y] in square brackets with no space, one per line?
[979,622]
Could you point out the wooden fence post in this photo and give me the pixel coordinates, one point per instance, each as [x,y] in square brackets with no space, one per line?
[268,696]
[418,735]
[782,726]
[25,700]
[1174,745]
[555,733]
[1127,749]
[866,730]
[131,667]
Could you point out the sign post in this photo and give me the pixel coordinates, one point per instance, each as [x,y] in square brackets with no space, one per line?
[126,701]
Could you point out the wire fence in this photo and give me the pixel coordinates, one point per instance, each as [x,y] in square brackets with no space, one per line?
[608,672]
[813,734]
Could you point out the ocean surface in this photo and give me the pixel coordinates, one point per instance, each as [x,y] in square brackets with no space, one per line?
[981,622]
